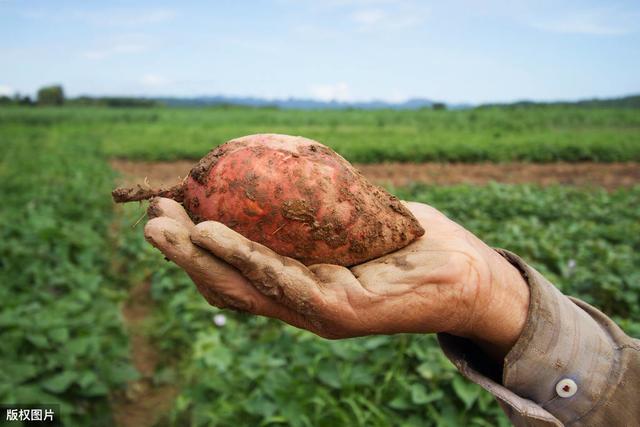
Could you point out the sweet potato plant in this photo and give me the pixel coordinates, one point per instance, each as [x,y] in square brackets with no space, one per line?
[62,339]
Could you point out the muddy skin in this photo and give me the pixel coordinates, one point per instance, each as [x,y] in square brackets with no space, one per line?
[124,195]
[401,262]
[200,172]
[154,211]
[298,210]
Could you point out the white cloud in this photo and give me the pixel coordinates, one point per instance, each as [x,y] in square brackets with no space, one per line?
[316,31]
[366,15]
[111,17]
[600,22]
[350,3]
[369,16]
[120,49]
[6,90]
[398,15]
[125,44]
[127,17]
[397,97]
[155,16]
[331,92]
[154,80]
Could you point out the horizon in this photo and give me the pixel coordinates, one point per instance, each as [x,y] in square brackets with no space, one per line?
[349,51]
[363,101]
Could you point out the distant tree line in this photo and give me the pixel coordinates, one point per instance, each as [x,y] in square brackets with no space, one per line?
[624,102]
[114,101]
[16,99]
[54,96]
[46,96]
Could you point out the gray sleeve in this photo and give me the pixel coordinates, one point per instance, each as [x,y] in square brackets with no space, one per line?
[571,365]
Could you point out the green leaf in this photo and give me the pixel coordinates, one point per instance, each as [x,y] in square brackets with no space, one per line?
[425,371]
[59,335]
[466,391]
[17,372]
[96,389]
[121,373]
[38,340]
[86,379]
[328,374]
[375,342]
[399,402]
[59,383]
[258,404]
[419,395]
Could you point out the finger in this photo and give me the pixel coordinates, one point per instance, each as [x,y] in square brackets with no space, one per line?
[220,283]
[279,277]
[172,239]
[422,210]
[218,280]
[161,206]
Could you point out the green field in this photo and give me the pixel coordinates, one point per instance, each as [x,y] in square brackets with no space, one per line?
[536,134]
[68,258]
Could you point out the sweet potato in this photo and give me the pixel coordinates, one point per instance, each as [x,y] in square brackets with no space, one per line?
[295,196]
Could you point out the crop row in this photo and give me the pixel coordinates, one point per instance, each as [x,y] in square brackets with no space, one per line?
[62,337]
[541,134]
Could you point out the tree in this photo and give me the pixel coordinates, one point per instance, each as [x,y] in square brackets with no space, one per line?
[439,106]
[21,100]
[51,95]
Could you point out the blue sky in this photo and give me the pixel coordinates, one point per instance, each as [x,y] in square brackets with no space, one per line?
[455,50]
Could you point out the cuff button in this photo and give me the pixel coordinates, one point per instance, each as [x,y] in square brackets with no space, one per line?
[566,387]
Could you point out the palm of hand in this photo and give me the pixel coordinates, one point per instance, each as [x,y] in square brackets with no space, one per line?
[436,284]
[439,283]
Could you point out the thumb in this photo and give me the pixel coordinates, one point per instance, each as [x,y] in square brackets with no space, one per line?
[276,276]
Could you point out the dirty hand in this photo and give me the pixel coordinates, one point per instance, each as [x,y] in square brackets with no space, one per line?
[446,281]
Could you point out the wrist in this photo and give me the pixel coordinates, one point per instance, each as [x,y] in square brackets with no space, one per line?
[497,331]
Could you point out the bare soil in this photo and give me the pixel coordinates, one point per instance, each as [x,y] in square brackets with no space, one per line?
[607,175]
[142,403]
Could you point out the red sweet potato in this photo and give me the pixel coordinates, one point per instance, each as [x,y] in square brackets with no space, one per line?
[295,196]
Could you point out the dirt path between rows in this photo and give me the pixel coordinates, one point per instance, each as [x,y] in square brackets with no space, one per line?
[607,175]
[142,403]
